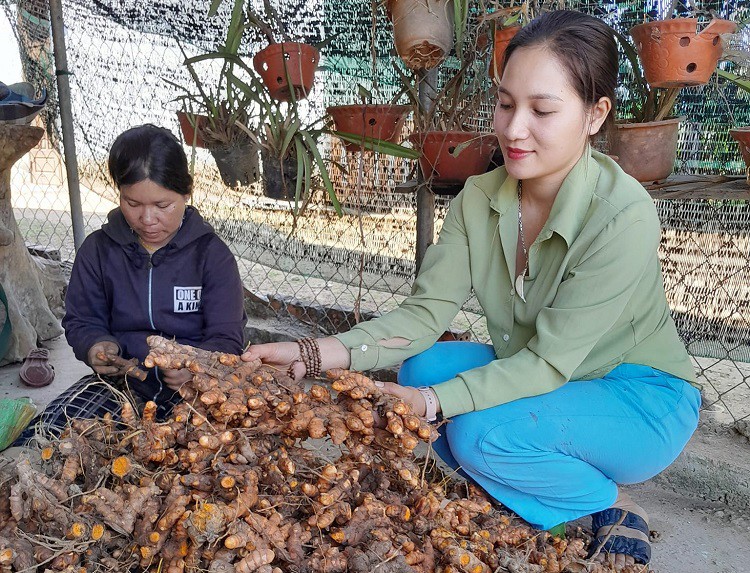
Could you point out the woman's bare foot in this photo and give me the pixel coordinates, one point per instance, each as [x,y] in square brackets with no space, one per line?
[621,536]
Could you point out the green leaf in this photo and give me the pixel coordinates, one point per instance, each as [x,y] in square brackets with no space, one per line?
[407,87]
[740,81]
[325,43]
[632,55]
[214,7]
[460,147]
[378,145]
[460,17]
[291,132]
[301,172]
[313,147]
[364,94]
[221,55]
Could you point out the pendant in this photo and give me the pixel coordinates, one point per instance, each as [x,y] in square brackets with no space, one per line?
[519,287]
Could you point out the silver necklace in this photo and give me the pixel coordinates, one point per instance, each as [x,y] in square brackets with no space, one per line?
[519,278]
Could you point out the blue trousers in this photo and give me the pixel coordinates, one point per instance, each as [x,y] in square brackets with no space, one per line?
[559,456]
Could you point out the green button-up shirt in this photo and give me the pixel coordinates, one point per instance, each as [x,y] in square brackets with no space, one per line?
[594,295]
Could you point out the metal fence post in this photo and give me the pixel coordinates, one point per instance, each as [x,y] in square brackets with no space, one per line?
[425,196]
[66,119]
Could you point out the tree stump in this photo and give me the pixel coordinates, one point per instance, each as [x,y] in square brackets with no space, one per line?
[28,308]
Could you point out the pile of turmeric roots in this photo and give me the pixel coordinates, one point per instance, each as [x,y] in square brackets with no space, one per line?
[253,472]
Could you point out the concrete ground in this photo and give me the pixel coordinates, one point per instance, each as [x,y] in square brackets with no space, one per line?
[67,371]
[699,507]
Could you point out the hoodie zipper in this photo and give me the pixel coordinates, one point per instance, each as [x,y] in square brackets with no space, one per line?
[150,281]
[151,320]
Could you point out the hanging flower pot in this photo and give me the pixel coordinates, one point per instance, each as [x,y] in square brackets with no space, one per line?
[441,168]
[238,165]
[297,61]
[376,121]
[742,136]
[422,30]
[674,54]
[646,151]
[280,177]
[188,125]
[503,37]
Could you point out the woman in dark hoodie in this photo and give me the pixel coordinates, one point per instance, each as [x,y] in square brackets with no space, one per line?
[155,267]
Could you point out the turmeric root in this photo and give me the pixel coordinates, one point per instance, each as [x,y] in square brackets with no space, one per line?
[231,483]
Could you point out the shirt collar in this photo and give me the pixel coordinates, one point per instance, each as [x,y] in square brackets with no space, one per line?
[574,198]
[570,206]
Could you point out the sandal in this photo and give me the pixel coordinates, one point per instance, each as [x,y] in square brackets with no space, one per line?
[629,537]
[36,370]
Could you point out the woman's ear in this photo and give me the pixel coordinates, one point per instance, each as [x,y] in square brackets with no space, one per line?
[599,112]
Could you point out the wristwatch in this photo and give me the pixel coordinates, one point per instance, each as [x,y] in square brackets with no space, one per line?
[431,403]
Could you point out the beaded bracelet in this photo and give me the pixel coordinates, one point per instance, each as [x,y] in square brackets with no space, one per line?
[309,353]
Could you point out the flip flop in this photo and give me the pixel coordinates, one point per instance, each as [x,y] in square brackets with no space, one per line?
[36,370]
[630,537]
[19,104]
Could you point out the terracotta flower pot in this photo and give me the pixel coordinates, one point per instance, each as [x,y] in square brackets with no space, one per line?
[188,131]
[300,61]
[646,151]
[422,31]
[443,169]
[742,136]
[502,39]
[376,121]
[675,55]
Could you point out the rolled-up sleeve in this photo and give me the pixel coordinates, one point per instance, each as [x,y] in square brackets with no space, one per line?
[441,288]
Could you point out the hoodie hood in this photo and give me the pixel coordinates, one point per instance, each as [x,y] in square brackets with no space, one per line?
[193,228]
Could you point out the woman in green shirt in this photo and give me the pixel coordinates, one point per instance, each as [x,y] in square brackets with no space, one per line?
[586,383]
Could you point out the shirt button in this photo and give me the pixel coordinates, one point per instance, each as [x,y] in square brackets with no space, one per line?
[512,292]
[363,348]
[506,337]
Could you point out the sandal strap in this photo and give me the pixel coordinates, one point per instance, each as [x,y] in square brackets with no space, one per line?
[629,537]
[38,353]
[602,532]
[638,549]
[613,515]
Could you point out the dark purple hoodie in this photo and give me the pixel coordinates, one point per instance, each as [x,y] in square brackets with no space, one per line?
[189,290]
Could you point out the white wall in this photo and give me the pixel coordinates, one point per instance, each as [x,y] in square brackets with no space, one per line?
[10,62]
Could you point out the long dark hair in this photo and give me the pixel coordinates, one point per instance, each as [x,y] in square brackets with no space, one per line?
[150,152]
[585,46]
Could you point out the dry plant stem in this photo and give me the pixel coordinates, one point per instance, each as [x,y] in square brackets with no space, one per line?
[230,483]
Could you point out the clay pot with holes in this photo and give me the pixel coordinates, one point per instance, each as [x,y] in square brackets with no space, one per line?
[376,121]
[675,53]
[448,158]
[191,125]
[287,68]
[503,37]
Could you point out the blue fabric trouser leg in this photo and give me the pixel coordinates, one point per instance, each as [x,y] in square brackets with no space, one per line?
[559,456]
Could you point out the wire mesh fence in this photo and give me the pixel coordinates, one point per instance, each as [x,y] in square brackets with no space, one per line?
[122,56]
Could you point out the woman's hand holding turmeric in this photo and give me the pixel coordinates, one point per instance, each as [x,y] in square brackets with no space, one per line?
[408,394]
[281,355]
[97,358]
[277,354]
[175,378]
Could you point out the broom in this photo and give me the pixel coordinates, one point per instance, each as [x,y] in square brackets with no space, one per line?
[15,415]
